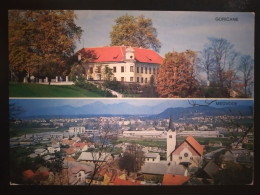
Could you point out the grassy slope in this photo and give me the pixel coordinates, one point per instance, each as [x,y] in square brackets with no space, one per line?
[37,90]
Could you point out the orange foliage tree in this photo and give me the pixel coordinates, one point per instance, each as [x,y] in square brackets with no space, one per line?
[176,77]
[28,176]
[41,42]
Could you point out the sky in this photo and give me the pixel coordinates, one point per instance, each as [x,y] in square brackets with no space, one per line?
[177,30]
[38,103]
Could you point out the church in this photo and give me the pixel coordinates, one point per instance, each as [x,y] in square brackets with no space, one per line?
[189,153]
[127,64]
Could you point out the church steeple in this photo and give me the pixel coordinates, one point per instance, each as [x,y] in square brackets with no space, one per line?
[171,140]
[171,124]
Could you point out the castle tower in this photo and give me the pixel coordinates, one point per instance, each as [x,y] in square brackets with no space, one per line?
[171,140]
[129,54]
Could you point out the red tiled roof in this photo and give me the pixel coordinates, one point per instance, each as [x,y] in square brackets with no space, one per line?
[174,179]
[78,144]
[116,54]
[195,144]
[118,181]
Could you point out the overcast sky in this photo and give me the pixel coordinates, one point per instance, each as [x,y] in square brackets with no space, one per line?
[177,30]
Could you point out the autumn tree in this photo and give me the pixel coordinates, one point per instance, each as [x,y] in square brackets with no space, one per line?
[134,31]
[41,42]
[176,76]
[246,67]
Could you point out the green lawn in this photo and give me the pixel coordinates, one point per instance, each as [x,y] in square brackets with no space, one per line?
[38,90]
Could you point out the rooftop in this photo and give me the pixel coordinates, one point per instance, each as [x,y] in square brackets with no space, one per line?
[117,53]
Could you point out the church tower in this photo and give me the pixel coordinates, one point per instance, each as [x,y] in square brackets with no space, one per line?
[171,140]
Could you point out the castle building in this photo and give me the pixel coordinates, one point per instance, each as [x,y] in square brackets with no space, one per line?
[127,64]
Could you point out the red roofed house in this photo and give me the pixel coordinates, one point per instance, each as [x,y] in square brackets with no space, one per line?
[169,179]
[128,64]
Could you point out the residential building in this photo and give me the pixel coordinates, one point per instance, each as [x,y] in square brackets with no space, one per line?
[151,170]
[169,179]
[76,130]
[152,157]
[128,64]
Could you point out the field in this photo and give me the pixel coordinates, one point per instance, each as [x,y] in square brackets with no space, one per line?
[38,90]
[161,143]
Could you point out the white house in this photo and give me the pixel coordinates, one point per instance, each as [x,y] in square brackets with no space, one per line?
[152,157]
[40,151]
[128,64]
[54,148]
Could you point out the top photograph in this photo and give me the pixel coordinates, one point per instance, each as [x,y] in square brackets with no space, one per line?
[130,54]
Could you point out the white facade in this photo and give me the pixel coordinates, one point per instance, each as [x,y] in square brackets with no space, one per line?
[52,150]
[76,130]
[154,133]
[152,157]
[171,143]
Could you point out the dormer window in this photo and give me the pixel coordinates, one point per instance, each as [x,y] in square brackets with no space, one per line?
[131,57]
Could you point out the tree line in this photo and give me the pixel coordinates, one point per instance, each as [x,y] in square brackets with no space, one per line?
[216,71]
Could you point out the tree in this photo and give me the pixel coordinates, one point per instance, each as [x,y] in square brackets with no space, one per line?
[246,68]
[176,76]
[134,31]
[41,42]
[234,174]
[76,70]
[222,57]
[133,159]
[206,62]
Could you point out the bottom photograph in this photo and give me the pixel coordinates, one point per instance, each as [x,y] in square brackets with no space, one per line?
[131,141]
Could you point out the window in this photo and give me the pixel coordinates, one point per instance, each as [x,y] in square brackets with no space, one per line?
[99,69]
[145,80]
[186,154]
[153,70]
[132,79]
[137,69]
[180,157]
[114,69]
[137,79]
[91,70]
[114,78]
[145,70]
[150,70]
[191,158]
[142,69]
[170,136]
[131,69]
[153,159]
[122,69]
[142,79]
[122,79]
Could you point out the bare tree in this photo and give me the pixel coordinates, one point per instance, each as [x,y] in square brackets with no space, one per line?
[246,68]
[205,62]
[102,152]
